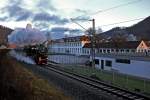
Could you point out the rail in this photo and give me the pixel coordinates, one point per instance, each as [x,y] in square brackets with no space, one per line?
[125,94]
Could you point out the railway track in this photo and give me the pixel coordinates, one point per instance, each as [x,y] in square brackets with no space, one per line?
[113,90]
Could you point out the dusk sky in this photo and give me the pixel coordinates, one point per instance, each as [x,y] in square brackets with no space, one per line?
[55,14]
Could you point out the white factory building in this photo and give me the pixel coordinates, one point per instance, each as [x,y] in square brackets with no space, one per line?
[70,45]
[136,66]
[131,57]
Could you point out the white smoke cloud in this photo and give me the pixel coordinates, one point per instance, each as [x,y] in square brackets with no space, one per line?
[21,57]
[26,36]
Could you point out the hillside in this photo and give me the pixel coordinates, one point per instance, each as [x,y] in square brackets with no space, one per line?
[19,83]
[140,30]
[4,32]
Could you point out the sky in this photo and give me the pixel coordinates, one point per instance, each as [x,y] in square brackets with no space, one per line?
[55,15]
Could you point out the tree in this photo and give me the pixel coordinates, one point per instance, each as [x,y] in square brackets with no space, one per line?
[119,38]
[131,37]
[89,31]
[99,30]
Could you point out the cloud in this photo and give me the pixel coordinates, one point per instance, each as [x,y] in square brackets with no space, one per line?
[81,11]
[81,18]
[60,32]
[75,31]
[42,13]
[15,2]
[46,4]
[18,10]
[27,36]
[83,15]
[15,12]
[42,25]
[52,18]
[18,13]
[3,18]
[24,16]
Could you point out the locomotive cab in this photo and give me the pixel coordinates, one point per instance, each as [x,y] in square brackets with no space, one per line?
[41,59]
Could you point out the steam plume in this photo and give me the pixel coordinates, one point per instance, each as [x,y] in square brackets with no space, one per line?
[26,36]
[21,57]
[21,37]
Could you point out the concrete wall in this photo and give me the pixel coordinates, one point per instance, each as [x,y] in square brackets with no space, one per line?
[136,68]
[68,59]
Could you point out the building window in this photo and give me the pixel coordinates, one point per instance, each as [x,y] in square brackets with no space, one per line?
[126,61]
[83,51]
[122,50]
[142,45]
[108,63]
[117,50]
[104,51]
[96,61]
[112,50]
[108,51]
[142,50]
[139,50]
[127,50]
[88,51]
[100,50]
[132,50]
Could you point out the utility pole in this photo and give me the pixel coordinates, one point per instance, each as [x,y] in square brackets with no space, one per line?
[93,43]
[92,39]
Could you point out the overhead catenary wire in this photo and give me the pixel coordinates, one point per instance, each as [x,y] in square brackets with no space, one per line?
[114,7]
[123,22]
[78,24]
[100,11]
[111,8]
[112,23]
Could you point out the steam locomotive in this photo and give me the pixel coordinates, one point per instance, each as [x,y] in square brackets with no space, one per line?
[37,52]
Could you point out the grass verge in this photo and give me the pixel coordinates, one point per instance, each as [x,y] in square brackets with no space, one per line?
[124,81]
[18,83]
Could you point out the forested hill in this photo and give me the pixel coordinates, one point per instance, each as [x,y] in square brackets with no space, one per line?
[140,30]
[4,32]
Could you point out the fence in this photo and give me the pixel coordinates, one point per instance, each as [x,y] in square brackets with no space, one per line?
[77,64]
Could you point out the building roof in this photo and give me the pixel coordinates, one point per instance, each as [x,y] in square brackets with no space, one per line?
[147,43]
[118,45]
[72,39]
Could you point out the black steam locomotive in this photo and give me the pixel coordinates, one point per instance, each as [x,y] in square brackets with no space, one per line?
[38,52]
